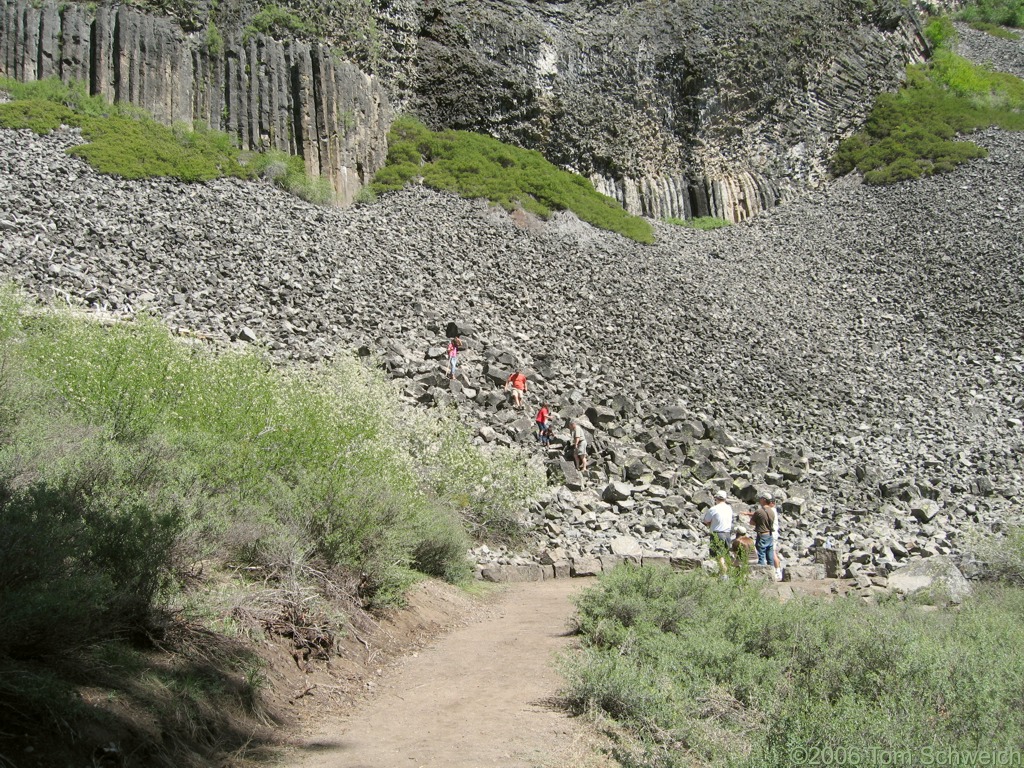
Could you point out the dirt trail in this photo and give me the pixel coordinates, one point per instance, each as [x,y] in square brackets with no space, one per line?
[480,696]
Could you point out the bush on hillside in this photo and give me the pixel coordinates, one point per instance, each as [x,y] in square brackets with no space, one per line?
[127,142]
[289,173]
[702,672]
[280,23]
[1000,556]
[917,131]
[476,166]
[89,529]
[252,459]
[1006,13]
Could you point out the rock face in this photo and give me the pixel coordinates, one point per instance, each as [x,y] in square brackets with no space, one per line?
[292,96]
[677,109]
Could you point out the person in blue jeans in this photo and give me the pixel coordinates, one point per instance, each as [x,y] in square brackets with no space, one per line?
[763,521]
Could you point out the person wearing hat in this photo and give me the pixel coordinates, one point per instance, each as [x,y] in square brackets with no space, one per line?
[742,545]
[719,519]
[763,521]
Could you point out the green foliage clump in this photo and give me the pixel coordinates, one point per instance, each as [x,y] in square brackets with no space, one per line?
[257,464]
[699,222]
[289,173]
[121,140]
[472,165]
[940,32]
[274,21]
[214,40]
[914,132]
[127,142]
[704,672]
[1005,13]
[140,148]
[1000,556]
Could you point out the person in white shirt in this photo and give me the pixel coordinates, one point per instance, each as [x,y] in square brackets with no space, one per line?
[719,519]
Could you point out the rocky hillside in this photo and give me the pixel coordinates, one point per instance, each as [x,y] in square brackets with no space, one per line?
[858,350]
[675,108]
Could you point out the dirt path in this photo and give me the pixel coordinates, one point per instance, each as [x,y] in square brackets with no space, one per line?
[479,696]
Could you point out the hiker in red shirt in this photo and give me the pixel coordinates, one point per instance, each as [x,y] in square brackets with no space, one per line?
[544,425]
[516,384]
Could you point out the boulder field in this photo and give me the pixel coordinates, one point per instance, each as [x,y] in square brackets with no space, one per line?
[857,351]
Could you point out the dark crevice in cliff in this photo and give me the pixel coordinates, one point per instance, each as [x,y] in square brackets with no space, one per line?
[94,59]
[295,82]
[117,56]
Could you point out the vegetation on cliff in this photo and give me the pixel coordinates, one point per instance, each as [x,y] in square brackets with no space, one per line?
[473,165]
[142,477]
[1003,13]
[917,131]
[125,141]
[695,671]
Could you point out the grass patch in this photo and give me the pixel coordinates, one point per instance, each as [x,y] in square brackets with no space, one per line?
[914,132]
[289,173]
[1004,13]
[476,166]
[127,142]
[701,672]
[279,23]
[699,222]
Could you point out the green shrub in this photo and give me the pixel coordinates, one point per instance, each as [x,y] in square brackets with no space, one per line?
[213,39]
[940,32]
[704,672]
[126,142]
[915,132]
[274,21]
[271,463]
[89,529]
[289,173]
[36,115]
[1000,556]
[478,166]
[1005,13]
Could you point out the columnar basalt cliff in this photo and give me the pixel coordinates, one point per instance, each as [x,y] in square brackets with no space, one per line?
[293,96]
[677,109]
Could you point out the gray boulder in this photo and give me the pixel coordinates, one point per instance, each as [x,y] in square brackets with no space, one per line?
[935,577]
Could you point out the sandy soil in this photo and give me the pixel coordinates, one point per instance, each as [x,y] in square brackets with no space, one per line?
[480,695]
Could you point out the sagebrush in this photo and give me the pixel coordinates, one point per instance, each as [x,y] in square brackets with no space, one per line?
[701,672]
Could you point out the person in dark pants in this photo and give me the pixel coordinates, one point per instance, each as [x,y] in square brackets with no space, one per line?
[763,521]
[544,424]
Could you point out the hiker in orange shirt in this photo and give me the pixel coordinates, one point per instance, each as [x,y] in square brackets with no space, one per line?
[516,384]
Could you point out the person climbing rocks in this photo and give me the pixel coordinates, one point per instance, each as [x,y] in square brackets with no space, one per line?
[544,424]
[579,445]
[718,518]
[516,384]
[454,345]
